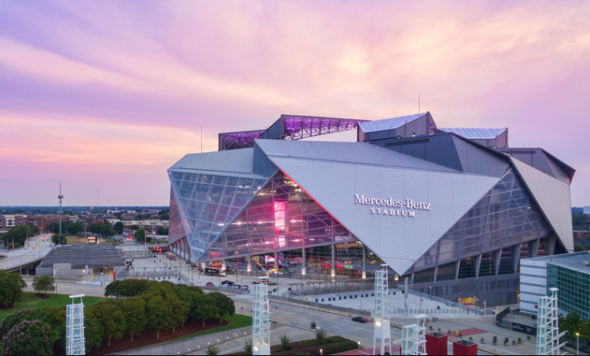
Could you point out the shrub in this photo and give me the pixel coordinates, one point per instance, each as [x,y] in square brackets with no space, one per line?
[212,350]
[29,338]
[248,346]
[285,342]
[320,335]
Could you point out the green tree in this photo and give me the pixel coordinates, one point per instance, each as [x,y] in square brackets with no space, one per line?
[34,230]
[18,234]
[44,284]
[135,316]
[58,239]
[572,323]
[285,342]
[29,338]
[119,227]
[74,228]
[248,346]
[203,307]
[95,228]
[159,314]
[134,227]
[140,235]
[180,311]
[162,231]
[118,215]
[111,318]
[165,217]
[225,305]
[11,288]
[212,350]
[107,230]
[54,227]
[578,247]
[93,333]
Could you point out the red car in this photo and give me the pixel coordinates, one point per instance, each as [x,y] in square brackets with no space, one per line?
[209,284]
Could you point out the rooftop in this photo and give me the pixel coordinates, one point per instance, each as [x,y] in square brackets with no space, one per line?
[476,133]
[579,261]
[93,256]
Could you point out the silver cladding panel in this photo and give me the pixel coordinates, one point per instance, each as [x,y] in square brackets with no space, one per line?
[349,152]
[388,124]
[477,160]
[554,199]
[231,161]
[399,241]
[476,133]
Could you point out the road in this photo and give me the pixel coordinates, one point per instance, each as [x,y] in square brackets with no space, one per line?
[33,250]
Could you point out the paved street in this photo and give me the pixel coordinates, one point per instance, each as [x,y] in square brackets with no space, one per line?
[33,250]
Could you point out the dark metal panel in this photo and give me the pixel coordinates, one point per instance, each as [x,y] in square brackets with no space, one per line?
[262,165]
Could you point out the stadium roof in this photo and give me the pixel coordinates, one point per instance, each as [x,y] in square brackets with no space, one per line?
[388,124]
[476,133]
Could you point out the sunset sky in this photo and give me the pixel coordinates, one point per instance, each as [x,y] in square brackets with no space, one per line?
[111,94]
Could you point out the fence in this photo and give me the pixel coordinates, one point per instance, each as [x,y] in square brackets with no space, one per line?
[189,345]
[308,304]
[448,302]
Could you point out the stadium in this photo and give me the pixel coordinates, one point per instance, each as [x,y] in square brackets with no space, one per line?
[451,210]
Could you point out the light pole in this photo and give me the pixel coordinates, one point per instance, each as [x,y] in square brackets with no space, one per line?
[485,307]
[85,239]
[55,276]
[577,343]
[60,197]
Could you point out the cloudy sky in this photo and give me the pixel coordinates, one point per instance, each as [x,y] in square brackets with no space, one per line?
[111,94]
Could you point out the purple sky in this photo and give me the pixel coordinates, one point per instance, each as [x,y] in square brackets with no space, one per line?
[111,94]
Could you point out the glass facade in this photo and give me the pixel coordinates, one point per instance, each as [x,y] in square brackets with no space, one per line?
[505,216]
[208,203]
[280,217]
[574,289]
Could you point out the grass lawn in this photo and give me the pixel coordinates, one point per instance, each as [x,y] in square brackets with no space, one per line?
[235,322]
[30,300]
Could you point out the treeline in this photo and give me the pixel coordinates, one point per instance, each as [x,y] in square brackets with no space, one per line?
[150,305]
[19,234]
[140,306]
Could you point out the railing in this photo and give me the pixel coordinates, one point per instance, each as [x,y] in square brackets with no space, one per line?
[447,302]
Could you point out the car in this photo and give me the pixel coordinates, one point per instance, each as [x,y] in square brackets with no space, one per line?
[281,270]
[209,284]
[360,319]
[227,282]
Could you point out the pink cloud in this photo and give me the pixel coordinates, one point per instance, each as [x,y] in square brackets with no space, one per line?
[125,86]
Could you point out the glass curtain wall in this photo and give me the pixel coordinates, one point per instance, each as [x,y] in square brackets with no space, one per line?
[505,216]
[208,202]
[280,217]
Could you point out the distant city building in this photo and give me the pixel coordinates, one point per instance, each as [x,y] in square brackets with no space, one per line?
[569,273]
[453,210]
[587,210]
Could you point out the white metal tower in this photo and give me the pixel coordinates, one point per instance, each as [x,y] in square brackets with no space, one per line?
[414,337]
[75,341]
[260,321]
[60,197]
[548,326]
[381,312]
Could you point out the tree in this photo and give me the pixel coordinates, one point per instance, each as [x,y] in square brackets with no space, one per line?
[58,239]
[92,333]
[248,346]
[107,230]
[44,284]
[212,350]
[140,235]
[162,231]
[135,316]
[119,227]
[95,228]
[74,228]
[18,234]
[111,318]
[224,304]
[203,307]
[54,227]
[165,217]
[34,229]
[29,338]
[118,215]
[11,288]
[285,342]
[578,247]
[180,311]
[159,314]
[134,227]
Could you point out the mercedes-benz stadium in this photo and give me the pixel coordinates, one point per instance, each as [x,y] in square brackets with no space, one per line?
[451,210]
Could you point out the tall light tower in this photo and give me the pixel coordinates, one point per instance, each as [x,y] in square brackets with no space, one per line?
[381,313]
[75,340]
[60,197]
[260,321]
[548,326]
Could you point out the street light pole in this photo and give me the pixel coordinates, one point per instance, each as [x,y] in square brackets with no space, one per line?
[577,343]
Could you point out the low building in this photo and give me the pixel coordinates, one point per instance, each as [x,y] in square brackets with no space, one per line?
[570,273]
[72,261]
[587,210]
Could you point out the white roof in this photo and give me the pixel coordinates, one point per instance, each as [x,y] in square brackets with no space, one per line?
[475,133]
[388,124]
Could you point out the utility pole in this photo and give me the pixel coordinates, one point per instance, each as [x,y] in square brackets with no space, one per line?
[60,197]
